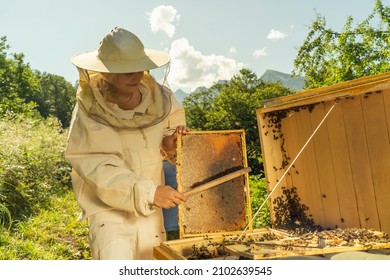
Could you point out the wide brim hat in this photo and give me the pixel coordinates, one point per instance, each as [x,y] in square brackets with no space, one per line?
[121,51]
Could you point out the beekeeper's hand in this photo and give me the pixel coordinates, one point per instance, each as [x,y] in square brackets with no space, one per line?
[169,142]
[167,197]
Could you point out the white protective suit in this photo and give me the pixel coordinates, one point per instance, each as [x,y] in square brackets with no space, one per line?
[117,165]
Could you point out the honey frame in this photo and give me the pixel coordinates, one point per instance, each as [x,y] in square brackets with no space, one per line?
[217,158]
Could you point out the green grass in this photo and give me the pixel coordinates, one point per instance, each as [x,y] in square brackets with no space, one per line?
[52,234]
[38,210]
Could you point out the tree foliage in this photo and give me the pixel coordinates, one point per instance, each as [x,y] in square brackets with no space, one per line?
[15,83]
[56,97]
[327,57]
[29,92]
[232,106]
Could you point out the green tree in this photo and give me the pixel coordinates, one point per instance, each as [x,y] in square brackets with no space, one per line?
[16,83]
[56,97]
[328,57]
[23,90]
[197,105]
[233,106]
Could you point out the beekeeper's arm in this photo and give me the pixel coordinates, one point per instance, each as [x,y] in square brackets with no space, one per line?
[113,183]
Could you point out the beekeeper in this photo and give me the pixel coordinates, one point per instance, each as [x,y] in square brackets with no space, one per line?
[121,120]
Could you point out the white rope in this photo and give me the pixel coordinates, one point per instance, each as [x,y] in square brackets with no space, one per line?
[287,170]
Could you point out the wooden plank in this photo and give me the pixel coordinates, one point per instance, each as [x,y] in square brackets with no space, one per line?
[177,249]
[293,144]
[309,168]
[328,93]
[360,162]
[386,100]
[385,224]
[259,253]
[160,254]
[246,183]
[342,168]
[218,181]
[288,137]
[379,153]
[324,162]
[272,157]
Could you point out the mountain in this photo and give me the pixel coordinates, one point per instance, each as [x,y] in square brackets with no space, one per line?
[295,83]
[199,89]
[180,95]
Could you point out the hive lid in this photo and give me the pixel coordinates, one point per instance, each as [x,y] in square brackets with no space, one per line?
[201,157]
[345,89]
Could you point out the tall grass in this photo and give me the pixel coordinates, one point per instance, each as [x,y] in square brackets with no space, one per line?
[32,166]
[38,213]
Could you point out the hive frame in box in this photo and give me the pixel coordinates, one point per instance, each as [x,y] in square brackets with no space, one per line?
[208,155]
[266,243]
[182,249]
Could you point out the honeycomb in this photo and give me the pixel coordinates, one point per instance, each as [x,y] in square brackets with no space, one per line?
[201,158]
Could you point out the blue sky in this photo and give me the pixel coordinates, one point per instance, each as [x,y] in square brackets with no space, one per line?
[208,40]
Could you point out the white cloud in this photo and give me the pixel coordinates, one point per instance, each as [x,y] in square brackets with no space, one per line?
[276,35]
[260,53]
[163,18]
[191,69]
[232,50]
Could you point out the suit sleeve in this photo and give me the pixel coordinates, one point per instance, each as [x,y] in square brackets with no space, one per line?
[94,151]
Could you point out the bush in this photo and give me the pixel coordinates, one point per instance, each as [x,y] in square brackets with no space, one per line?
[32,165]
[258,189]
[38,211]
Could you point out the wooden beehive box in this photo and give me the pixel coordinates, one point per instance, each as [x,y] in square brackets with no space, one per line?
[201,157]
[340,178]
[342,175]
[265,243]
